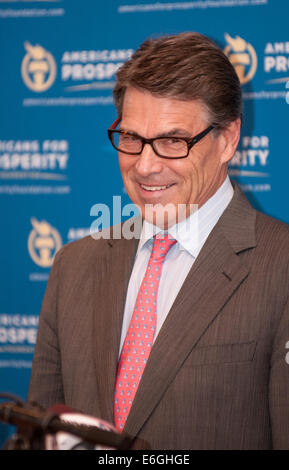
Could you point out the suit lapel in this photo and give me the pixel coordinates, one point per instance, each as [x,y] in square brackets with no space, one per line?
[113,271]
[214,277]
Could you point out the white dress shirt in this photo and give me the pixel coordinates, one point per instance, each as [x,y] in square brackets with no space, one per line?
[180,257]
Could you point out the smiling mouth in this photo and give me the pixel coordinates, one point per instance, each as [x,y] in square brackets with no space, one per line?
[155,188]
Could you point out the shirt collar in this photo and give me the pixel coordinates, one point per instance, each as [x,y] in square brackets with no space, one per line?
[192,232]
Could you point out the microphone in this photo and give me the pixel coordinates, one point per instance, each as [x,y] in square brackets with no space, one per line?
[61,428]
[67,441]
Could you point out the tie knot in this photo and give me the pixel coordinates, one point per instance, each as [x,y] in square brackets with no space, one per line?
[161,246]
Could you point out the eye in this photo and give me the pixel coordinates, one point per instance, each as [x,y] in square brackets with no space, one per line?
[127,138]
[171,147]
[128,142]
[172,142]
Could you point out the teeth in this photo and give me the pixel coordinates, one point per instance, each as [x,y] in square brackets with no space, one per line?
[154,188]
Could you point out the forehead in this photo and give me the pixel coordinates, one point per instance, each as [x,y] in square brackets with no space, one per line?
[143,111]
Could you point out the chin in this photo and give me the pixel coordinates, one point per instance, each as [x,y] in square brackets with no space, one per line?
[164,215]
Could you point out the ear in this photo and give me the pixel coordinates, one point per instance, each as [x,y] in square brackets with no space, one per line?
[229,139]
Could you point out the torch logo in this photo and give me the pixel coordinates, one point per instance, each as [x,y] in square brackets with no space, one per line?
[43,243]
[38,68]
[242,56]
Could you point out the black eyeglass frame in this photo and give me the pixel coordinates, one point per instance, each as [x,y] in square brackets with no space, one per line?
[191,141]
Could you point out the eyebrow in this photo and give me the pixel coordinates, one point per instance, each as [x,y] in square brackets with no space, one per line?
[128,130]
[173,132]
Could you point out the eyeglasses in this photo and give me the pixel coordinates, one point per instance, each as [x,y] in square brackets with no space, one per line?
[164,147]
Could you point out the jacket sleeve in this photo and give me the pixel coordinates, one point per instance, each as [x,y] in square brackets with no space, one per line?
[279,384]
[45,386]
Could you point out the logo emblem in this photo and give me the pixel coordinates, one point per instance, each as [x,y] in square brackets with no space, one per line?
[242,56]
[38,68]
[43,243]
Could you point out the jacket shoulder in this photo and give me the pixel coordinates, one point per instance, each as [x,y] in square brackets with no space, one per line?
[82,251]
[272,239]
[271,228]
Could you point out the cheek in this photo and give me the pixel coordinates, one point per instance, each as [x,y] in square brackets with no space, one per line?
[194,176]
[125,165]
[186,172]
[204,162]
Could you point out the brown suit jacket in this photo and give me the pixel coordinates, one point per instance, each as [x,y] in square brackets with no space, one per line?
[217,376]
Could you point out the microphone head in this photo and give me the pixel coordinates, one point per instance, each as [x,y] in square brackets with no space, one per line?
[65,441]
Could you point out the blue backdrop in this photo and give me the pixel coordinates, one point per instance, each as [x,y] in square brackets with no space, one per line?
[58,63]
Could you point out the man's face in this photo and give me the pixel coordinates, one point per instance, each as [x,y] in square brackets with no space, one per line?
[150,179]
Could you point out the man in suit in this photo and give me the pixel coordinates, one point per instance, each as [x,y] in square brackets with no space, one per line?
[214,373]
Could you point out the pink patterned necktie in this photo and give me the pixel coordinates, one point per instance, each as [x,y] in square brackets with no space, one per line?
[139,338]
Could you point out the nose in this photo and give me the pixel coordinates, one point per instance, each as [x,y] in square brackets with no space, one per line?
[148,162]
